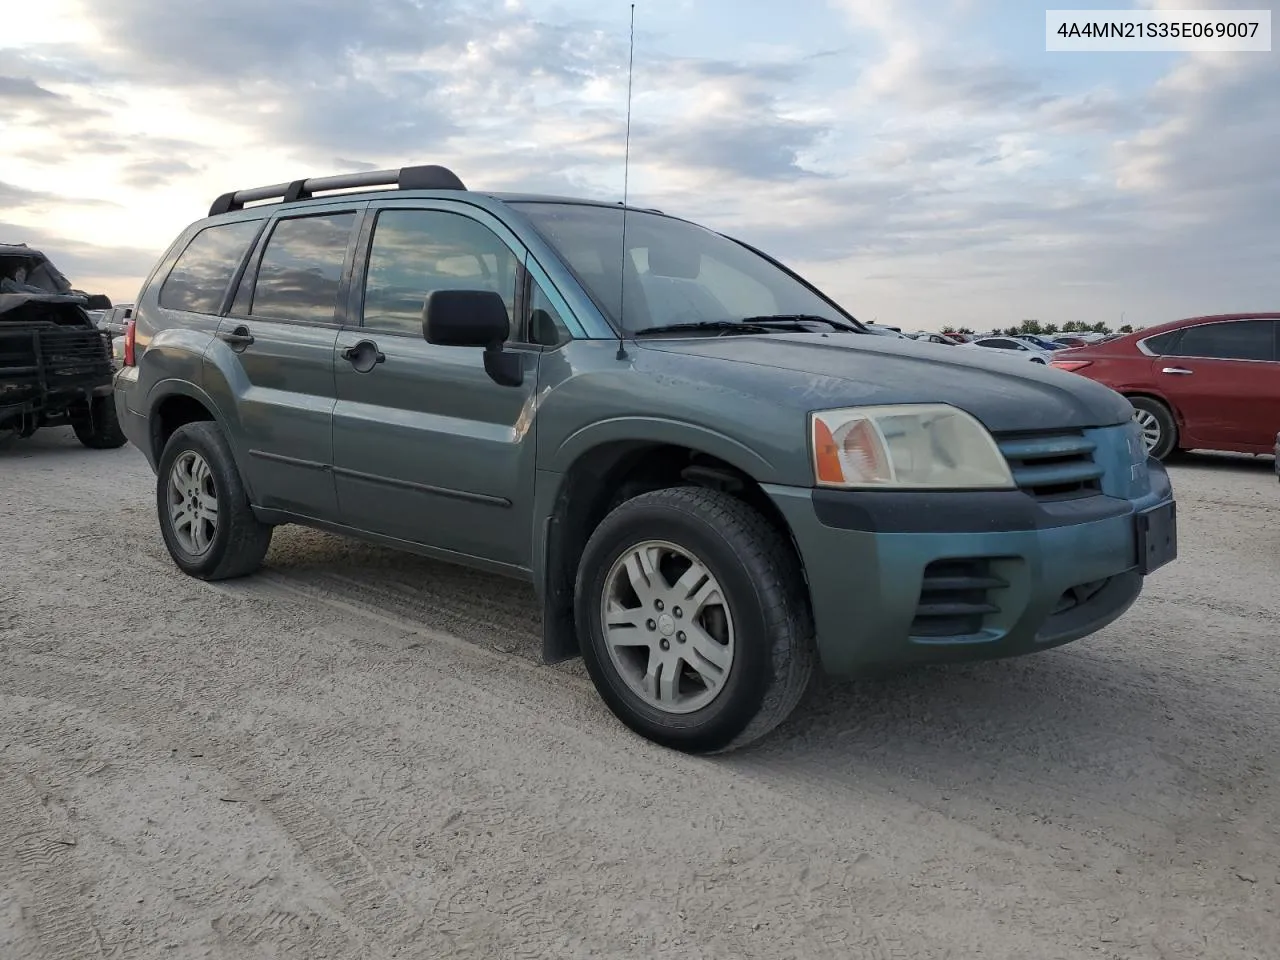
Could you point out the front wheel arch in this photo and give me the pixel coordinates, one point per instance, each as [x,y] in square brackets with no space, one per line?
[597,482]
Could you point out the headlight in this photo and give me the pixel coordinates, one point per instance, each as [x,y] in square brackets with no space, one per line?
[925,446]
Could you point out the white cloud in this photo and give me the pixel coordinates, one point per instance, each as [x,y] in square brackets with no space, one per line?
[922,176]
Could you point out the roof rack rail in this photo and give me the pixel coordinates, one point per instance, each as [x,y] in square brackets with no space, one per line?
[429,177]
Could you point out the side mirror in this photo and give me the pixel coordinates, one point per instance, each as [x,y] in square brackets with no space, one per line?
[474,318]
[465,318]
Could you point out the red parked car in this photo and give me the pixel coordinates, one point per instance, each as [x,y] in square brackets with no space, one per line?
[1204,383]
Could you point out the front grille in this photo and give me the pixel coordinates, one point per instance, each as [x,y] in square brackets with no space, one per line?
[74,354]
[1053,466]
[52,356]
[954,597]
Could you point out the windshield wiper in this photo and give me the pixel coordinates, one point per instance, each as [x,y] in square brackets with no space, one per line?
[724,326]
[794,321]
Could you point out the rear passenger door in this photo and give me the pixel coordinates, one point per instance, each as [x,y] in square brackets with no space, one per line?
[1223,376]
[278,340]
[427,448]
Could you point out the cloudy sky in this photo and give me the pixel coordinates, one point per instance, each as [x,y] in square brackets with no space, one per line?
[925,161]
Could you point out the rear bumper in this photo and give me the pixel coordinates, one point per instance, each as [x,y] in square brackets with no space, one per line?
[133,423]
[919,578]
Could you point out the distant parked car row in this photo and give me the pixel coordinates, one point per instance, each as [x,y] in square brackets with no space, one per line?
[1041,342]
[114,322]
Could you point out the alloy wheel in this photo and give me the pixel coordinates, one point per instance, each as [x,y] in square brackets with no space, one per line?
[193,503]
[667,627]
[1150,426]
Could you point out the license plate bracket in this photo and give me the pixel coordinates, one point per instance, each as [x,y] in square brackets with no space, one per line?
[1157,536]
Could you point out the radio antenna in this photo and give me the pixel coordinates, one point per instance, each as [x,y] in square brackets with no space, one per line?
[626,187]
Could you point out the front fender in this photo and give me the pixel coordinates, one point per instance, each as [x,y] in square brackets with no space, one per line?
[558,536]
[665,430]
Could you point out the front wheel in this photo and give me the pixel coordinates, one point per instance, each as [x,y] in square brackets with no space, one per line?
[694,620]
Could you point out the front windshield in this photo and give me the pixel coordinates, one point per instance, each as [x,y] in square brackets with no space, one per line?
[675,272]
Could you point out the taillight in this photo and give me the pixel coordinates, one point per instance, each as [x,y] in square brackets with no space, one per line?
[1070,364]
[130,339]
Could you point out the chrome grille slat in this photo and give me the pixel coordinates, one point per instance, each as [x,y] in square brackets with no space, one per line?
[1053,465]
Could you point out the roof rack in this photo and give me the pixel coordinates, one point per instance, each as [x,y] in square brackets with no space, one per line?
[429,177]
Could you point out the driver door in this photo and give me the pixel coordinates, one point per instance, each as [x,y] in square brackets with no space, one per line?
[427,448]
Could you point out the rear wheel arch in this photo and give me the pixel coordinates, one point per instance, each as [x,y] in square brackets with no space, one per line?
[173,408]
[177,403]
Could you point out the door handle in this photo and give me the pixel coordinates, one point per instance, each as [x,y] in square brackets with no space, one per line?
[364,355]
[239,337]
[1180,371]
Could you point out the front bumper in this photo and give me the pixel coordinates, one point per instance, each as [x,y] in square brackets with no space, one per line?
[899,578]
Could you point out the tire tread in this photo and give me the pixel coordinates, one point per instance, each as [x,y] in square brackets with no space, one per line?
[774,570]
[248,539]
[100,428]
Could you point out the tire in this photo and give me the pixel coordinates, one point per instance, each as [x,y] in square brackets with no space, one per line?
[99,427]
[234,543]
[1156,420]
[770,656]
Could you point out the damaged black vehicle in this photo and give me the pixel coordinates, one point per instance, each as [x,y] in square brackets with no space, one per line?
[55,365]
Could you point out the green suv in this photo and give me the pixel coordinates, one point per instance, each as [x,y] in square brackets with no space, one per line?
[715,479]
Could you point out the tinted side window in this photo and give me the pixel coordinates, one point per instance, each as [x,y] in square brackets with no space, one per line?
[1235,340]
[417,251]
[200,275]
[1164,343]
[301,268]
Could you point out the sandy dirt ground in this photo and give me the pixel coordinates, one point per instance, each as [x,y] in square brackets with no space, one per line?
[356,754]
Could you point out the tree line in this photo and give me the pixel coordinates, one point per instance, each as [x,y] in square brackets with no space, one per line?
[1036,328]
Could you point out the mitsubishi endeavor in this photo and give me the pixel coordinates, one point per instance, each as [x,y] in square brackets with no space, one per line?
[717,481]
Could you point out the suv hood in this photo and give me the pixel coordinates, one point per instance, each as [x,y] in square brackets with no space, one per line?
[846,369]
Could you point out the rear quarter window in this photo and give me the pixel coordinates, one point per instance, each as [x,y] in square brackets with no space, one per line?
[201,274]
[1163,344]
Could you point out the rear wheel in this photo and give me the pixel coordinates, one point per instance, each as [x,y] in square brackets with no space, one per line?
[204,512]
[1159,430]
[695,627]
[97,426]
